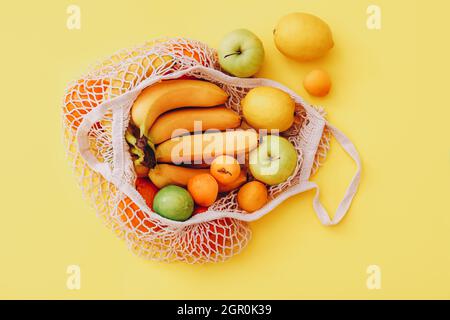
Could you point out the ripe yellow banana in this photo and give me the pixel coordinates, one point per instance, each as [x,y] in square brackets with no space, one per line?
[204,147]
[172,94]
[165,174]
[198,165]
[182,121]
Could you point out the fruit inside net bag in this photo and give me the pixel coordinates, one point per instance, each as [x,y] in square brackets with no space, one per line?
[96,121]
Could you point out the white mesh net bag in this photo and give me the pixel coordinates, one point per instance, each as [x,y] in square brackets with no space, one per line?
[96,114]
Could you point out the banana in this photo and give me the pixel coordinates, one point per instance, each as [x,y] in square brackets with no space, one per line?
[204,147]
[197,165]
[141,171]
[182,121]
[171,94]
[165,174]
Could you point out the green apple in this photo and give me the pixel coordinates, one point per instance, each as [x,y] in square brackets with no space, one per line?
[274,161]
[241,53]
[174,203]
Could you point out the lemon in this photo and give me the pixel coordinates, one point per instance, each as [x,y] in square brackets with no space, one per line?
[303,37]
[268,108]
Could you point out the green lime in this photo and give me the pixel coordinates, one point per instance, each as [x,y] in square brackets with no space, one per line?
[174,203]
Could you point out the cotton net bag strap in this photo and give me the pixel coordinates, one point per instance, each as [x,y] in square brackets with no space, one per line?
[344,205]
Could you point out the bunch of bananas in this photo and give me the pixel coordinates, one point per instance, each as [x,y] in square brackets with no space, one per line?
[180,124]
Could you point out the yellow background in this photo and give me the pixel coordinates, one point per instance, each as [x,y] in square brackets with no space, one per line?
[389,96]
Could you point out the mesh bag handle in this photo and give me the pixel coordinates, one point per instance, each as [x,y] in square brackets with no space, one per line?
[344,205]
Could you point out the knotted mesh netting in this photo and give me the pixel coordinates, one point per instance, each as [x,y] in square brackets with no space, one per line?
[96,113]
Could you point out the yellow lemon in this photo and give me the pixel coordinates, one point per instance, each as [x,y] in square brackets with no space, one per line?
[268,108]
[303,37]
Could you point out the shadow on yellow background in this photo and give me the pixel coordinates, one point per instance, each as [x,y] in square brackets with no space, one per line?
[388,96]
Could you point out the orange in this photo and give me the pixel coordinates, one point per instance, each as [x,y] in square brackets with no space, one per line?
[187,51]
[199,210]
[134,218]
[141,171]
[189,54]
[223,188]
[212,237]
[225,169]
[81,98]
[203,189]
[183,50]
[252,196]
[147,190]
[317,83]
